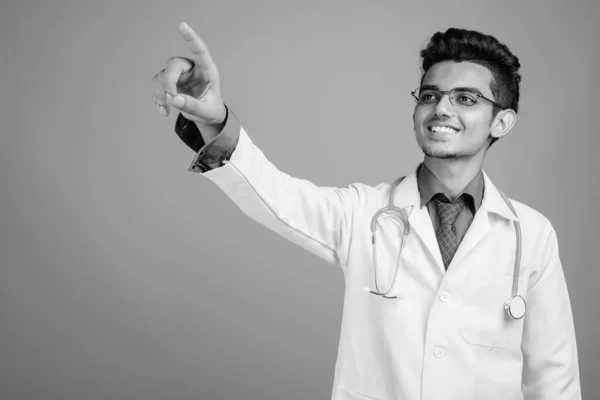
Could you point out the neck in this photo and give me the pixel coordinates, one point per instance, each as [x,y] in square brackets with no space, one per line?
[454,173]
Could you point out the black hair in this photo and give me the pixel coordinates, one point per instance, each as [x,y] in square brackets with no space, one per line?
[464,45]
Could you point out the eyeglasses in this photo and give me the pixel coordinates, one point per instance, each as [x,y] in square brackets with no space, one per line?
[459,97]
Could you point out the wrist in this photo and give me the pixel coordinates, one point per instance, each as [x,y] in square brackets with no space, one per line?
[210,130]
[222,120]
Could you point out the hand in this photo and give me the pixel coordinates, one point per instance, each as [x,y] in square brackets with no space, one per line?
[191,85]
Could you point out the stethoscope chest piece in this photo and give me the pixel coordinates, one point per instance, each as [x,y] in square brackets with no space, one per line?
[515,307]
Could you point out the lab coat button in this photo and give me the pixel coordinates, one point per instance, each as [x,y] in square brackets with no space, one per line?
[444,297]
[439,352]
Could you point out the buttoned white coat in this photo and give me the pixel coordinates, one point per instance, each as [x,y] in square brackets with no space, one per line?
[446,336]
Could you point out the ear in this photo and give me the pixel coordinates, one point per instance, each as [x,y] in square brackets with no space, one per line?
[503,123]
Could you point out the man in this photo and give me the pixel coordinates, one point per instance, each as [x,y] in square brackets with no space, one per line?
[476,306]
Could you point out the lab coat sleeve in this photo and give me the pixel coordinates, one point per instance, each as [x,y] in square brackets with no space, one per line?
[318,219]
[550,365]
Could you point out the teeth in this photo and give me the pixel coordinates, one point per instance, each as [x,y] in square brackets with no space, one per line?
[443,129]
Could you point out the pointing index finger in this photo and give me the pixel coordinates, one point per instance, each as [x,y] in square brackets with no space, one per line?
[196,45]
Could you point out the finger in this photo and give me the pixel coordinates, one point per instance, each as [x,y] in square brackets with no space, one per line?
[200,51]
[176,67]
[159,96]
[187,104]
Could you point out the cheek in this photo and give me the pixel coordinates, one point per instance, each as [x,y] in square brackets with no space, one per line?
[476,123]
[419,116]
[483,126]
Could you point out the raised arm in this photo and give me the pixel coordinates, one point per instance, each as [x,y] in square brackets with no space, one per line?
[317,218]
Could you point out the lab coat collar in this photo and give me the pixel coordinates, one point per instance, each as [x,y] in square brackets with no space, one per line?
[407,192]
[493,201]
[408,198]
[407,195]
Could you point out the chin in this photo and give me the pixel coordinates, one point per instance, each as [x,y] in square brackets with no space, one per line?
[438,150]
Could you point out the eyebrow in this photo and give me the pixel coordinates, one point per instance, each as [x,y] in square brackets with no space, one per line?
[464,89]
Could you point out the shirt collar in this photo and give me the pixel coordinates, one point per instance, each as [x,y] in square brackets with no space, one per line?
[429,185]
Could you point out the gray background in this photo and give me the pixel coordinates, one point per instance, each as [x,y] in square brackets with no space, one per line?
[123,276]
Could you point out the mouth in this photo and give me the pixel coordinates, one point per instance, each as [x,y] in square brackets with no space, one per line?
[444,129]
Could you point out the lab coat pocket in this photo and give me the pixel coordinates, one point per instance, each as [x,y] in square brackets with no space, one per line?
[346,394]
[483,319]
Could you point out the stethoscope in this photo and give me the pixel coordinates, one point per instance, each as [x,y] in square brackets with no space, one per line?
[515,306]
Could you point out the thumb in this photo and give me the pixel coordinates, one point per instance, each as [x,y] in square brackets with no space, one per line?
[199,110]
[187,104]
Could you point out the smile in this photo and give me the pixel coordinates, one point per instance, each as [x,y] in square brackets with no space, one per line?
[442,129]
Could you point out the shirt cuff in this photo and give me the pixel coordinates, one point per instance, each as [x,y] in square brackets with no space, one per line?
[212,154]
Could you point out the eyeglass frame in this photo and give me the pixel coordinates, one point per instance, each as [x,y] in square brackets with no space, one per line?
[443,92]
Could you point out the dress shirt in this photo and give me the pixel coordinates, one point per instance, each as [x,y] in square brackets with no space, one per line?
[208,155]
[429,185]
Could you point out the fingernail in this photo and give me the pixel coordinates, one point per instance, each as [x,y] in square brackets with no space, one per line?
[169,98]
[162,110]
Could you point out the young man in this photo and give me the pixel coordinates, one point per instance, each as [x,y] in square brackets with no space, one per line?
[477,306]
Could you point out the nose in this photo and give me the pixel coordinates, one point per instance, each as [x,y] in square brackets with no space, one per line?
[444,106]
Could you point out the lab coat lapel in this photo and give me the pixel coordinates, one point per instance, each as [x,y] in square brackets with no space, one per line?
[407,197]
[480,227]
[420,222]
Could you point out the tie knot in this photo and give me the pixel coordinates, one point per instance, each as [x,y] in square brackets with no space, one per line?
[449,211]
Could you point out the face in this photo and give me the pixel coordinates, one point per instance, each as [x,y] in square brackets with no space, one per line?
[447,131]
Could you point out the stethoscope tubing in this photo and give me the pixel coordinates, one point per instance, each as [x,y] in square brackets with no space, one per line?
[514,310]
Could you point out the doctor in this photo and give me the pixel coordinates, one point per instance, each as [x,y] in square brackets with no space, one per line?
[448,255]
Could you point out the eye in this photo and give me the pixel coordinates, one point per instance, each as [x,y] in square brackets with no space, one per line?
[428,96]
[466,98]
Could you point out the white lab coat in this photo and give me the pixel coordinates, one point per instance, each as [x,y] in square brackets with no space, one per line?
[446,336]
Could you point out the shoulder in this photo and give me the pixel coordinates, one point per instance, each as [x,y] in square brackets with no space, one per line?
[368,192]
[365,196]
[533,223]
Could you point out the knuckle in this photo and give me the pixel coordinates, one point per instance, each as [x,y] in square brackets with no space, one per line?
[171,61]
[177,62]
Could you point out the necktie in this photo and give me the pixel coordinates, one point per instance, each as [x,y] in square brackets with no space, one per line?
[446,236]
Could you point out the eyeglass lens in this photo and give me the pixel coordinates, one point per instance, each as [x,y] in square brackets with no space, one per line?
[457,97]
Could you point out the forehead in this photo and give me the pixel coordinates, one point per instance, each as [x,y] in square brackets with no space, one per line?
[449,74]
